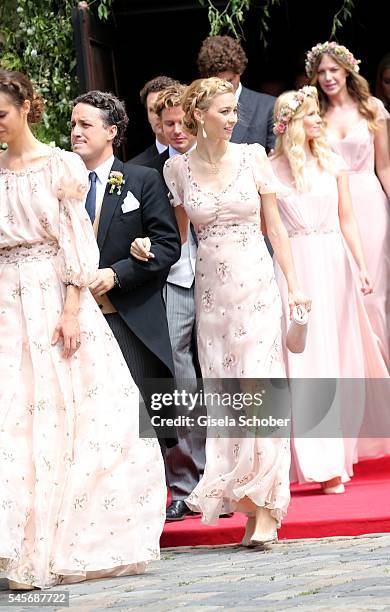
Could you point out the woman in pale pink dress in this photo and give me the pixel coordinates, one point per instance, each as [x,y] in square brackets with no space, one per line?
[355,124]
[221,187]
[315,206]
[356,129]
[81,496]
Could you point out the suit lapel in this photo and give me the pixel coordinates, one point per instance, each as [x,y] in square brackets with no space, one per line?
[244,117]
[109,205]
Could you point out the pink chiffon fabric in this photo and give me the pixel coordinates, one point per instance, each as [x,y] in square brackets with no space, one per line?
[238,312]
[80,494]
[340,341]
[372,210]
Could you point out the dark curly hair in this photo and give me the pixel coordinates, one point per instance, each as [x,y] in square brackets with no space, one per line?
[155,86]
[112,110]
[19,88]
[219,54]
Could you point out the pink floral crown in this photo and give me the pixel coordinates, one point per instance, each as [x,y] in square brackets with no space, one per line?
[288,111]
[338,52]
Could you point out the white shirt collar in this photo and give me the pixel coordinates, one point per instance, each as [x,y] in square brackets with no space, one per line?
[103,171]
[238,91]
[160,147]
[172,151]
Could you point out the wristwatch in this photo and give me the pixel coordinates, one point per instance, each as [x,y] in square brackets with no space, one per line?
[116,279]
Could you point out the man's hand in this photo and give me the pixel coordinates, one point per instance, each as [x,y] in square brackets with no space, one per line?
[103,282]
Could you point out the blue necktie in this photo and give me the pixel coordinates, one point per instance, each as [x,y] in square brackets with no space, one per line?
[90,203]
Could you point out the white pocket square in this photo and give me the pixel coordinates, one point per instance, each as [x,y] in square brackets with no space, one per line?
[130,203]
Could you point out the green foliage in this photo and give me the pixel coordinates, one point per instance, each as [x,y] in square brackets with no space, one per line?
[230,19]
[342,15]
[36,38]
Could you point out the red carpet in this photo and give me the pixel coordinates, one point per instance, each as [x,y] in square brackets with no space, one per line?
[363,508]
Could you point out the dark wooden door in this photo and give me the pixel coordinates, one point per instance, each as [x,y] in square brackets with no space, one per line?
[95,51]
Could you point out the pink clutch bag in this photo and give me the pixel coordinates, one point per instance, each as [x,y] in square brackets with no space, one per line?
[297,332]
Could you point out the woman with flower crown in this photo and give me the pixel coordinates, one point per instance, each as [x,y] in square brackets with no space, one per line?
[315,206]
[221,187]
[356,128]
[81,495]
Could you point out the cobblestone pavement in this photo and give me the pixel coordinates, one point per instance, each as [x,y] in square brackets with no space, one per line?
[329,574]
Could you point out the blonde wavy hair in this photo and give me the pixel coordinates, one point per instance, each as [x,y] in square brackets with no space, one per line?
[357,87]
[291,142]
[168,98]
[199,95]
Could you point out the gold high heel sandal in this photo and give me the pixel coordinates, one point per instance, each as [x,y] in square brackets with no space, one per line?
[19,586]
[249,529]
[266,535]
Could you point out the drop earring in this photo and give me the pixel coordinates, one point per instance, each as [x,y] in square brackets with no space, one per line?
[204,133]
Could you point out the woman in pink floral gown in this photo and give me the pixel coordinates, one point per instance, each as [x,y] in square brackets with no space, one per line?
[81,495]
[238,305]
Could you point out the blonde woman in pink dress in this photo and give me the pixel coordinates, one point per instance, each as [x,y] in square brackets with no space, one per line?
[81,496]
[355,124]
[221,187]
[315,207]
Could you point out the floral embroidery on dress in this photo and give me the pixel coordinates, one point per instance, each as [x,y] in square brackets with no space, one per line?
[243,479]
[229,361]
[240,332]
[109,502]
[44,221]
[10,217]
[208,300]
[223,271]
[196,202]
[214,493]
[79,503]
[259,306]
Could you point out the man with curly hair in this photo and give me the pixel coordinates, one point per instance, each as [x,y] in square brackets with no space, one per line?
[224,57]
[124,202]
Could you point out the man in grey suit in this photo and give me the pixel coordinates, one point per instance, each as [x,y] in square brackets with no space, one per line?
[223,56]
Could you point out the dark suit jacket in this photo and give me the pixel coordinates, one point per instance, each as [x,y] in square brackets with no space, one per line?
[158,162]
[139,300]
[255,119]
[145,156]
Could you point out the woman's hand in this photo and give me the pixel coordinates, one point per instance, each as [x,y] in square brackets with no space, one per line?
[297,298]
[366,283]
[67,329]
[140,249]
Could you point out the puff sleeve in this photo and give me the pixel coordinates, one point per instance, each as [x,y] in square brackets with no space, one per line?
[172,171]
[262,170]
[381,112]
[78,251]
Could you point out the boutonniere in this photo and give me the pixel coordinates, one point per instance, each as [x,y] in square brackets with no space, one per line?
[116,182]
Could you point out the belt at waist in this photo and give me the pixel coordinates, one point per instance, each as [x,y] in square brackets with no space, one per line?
[308,231]
[28,252]
[222,229]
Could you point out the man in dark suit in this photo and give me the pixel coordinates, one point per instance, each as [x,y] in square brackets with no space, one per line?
[184,464]
[223,56]
[125,202]
[148,96]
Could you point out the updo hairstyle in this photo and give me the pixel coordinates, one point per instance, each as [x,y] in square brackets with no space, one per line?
[19,88]
[199,95]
